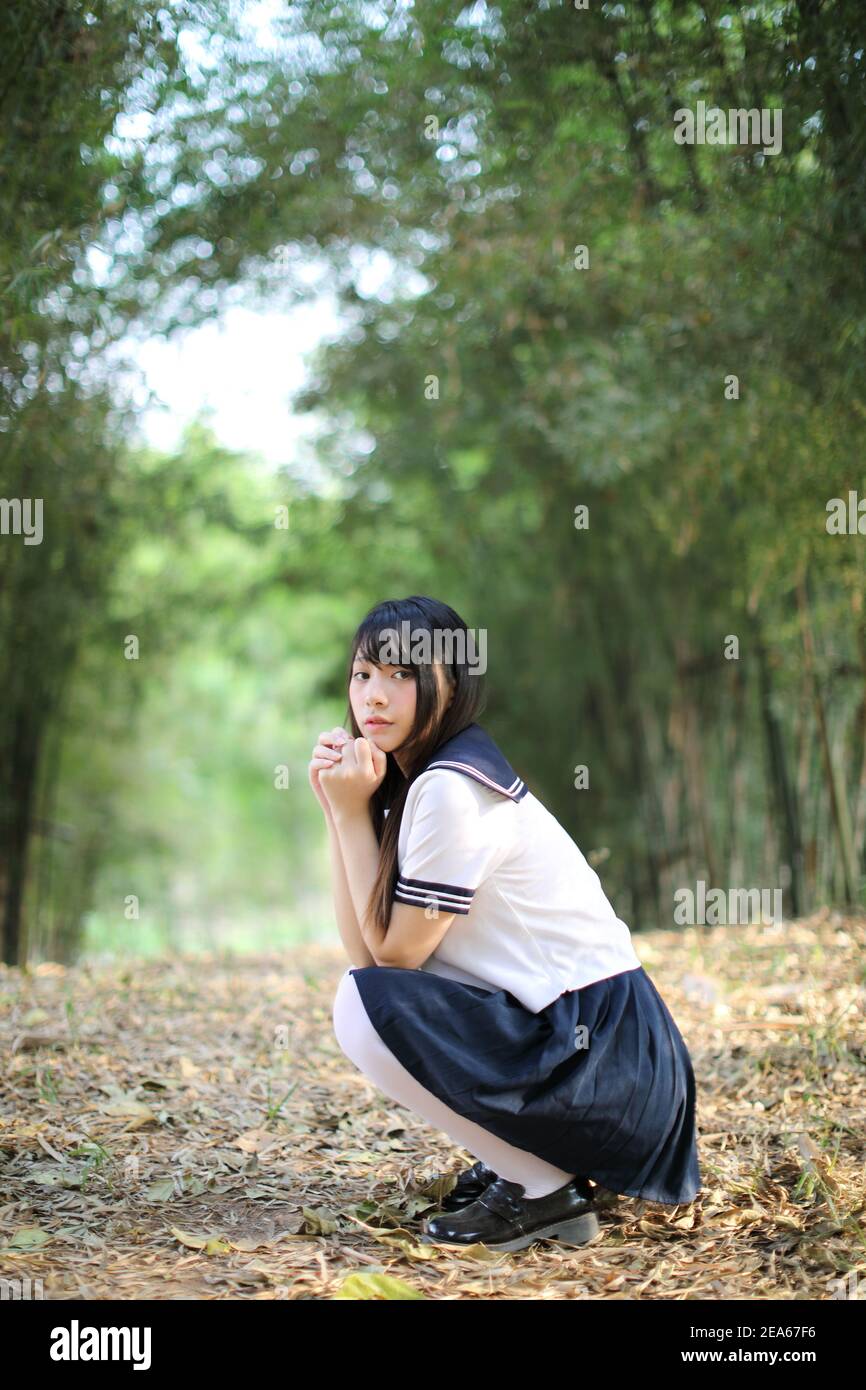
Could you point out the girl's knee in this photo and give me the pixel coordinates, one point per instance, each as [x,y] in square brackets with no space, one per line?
[351,1024]
[338,1007]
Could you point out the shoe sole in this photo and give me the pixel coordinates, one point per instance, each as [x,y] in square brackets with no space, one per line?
[577,1232]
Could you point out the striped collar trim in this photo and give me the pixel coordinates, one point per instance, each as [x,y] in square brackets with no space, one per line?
[473,752]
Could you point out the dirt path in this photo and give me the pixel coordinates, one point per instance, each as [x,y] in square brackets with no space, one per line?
[192,1130]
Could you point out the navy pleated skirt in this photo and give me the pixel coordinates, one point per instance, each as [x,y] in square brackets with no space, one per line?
[600,1082]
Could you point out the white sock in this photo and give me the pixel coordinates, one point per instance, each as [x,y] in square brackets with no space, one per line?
[361,1043]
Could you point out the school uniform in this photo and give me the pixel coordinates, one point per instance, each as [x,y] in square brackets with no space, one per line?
[533,1017]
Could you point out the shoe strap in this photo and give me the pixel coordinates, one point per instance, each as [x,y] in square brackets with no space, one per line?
[501,1198]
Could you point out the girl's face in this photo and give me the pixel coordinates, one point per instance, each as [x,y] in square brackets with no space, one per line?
[388,694]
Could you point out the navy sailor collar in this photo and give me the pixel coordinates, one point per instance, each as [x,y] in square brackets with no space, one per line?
[473,752]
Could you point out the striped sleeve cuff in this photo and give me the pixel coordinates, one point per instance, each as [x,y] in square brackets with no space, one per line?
[445,897]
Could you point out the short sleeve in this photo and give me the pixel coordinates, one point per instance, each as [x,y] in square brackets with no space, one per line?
[454,842]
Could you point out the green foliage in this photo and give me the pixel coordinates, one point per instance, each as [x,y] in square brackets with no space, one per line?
[477,148]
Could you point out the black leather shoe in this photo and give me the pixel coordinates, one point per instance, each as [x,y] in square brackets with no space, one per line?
[504,1219]
[469,1187]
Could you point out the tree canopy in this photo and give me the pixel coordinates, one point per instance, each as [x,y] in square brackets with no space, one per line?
[600,402]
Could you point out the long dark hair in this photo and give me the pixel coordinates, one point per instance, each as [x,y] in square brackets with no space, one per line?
[431,727]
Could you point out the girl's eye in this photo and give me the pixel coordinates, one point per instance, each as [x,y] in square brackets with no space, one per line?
[410,675]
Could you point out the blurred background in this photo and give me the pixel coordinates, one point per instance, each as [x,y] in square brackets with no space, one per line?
[309,305]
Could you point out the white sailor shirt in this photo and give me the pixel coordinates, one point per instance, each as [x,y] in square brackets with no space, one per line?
[531,914]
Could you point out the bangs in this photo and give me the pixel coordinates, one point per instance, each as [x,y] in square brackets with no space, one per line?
[386,631]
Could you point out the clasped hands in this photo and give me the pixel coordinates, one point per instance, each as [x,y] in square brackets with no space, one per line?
[355,772]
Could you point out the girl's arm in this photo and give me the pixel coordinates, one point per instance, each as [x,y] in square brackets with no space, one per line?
[347,918]
[358,851]
[414,929]
[325,754]
[412,933]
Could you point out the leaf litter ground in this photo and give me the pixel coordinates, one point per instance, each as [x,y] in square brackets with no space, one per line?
[190,1129]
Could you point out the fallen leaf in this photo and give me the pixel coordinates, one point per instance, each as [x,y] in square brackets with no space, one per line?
[209,1245]
[29,1238]
[385,1286]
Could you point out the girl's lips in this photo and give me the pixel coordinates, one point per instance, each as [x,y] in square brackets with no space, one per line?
[379,723]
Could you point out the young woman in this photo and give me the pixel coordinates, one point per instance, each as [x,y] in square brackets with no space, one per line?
[494,991]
